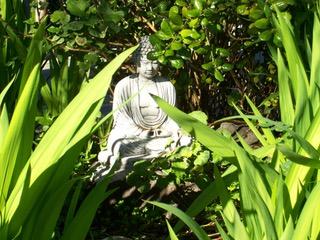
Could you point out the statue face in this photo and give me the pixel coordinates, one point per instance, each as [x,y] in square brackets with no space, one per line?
[148,68]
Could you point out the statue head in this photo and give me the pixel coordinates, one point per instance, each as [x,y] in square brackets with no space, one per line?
[145,67]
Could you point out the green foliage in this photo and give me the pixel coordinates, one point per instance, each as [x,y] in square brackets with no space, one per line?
[187,164]
[209,44]
[209,40]
[35,180]
[275,204]
[214,52]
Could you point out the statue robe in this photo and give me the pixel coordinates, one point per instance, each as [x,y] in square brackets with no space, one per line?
[128,120]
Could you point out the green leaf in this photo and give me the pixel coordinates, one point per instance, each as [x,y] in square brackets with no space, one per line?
[208,195]
[97,33]
[60,16]
[33,55]
[166,28]
[181,3]
[17,144]
[307,222]
[200,116]
[172,234]
[299,159]
[196,229]
[162,36]
[299,89]
[267,132]
[186,33]
[194,23]
[230,214]
[208,66]
[4,92]
[50,213]
[193,13]
[176,63]
[53,29]
[281,5]
[223,52]
[180,166]
[169,53]
[262,23]
[176,45]
[223,234]
[242,9]
[73,205]
[174,16]
[205,135]
[80,225]
[266,35]
[255,13]
[218,75]
[255,197]
[198,4]
[227,67]
[110,15]
[18,44]
[286,101]
[315,63]
[74,26]
[154,55]
[77,7]
[202,158]
[307,147]
[4,123]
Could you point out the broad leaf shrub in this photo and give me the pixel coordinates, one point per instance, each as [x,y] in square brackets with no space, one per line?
[214,51]
[279,183]
[35,181]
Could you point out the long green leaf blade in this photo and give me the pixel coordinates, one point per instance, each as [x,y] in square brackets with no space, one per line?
[80,225]
[207,136]
[18,141]
[285,97]
[208,195]
[74,124]
[307,223]
[315,63]
[48,216]
[196,229]
[172,234]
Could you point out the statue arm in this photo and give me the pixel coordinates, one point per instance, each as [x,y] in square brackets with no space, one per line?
[123,125]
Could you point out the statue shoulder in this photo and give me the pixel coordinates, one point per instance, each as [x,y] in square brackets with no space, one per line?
[125,82]
[166,83]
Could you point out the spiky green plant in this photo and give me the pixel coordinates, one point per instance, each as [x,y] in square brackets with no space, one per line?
[275,204]
[34,182]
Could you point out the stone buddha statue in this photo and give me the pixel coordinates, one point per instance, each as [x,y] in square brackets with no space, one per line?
[141,130]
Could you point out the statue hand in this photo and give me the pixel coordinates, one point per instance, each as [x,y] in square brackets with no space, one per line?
[103,157]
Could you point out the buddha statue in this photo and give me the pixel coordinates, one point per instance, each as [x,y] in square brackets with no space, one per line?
[141,130]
